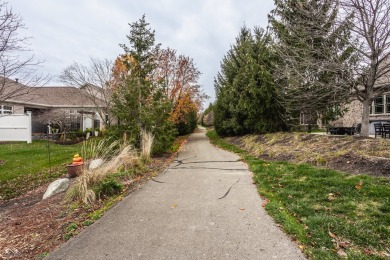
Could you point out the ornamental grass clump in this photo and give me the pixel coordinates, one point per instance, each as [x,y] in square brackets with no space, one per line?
[104,149]
[116,158]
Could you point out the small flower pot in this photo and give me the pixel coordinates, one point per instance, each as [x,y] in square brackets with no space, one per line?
[75,170]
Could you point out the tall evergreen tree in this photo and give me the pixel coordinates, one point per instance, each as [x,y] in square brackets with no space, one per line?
[246,100]
[314,69]
[138,102]
[143,48]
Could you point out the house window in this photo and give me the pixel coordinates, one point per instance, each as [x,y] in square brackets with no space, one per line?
[378,105]
[6,110]
[72,113]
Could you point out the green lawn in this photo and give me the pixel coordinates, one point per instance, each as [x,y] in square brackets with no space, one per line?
[330,214]
[25,166]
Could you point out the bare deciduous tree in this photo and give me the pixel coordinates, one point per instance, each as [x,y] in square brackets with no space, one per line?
[96,79]
[372,29]
[12,65]
[60,118]
[179,74]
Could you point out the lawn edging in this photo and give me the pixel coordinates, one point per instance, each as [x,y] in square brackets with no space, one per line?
[328,213]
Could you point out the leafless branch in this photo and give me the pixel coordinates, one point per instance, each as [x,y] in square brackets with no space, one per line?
[315,66]
[372,29]
[12,66]
[178,74]
[96,79]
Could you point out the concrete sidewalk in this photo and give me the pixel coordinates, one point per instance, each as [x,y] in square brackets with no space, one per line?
[204,206]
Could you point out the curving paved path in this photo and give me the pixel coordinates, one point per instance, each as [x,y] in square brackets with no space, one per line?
[203,207]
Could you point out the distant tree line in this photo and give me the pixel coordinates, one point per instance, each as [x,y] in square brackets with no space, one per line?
[315,56]
[207,117]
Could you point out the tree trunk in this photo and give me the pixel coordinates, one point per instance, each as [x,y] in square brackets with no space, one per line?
[365,118]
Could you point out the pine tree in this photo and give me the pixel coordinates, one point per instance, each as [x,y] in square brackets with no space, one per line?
[228,117]
[246,100]
[315,60]
[138,102]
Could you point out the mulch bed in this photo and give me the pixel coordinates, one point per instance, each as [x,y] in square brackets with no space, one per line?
[356,161]
[30,227]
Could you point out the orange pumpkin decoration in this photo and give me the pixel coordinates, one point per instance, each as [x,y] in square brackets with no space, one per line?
[77,160]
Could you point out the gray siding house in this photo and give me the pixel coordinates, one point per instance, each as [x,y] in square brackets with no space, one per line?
[73,104]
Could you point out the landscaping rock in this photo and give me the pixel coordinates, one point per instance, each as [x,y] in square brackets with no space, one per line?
[95,164]
[55,187]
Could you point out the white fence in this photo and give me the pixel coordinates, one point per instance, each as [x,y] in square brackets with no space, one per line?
[15,127]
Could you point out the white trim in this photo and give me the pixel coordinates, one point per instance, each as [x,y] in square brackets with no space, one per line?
[372,107]
[2,110]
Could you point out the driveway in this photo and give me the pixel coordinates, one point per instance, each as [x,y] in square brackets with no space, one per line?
[204,206]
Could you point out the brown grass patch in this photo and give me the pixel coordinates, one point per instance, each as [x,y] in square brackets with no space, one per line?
[350,154]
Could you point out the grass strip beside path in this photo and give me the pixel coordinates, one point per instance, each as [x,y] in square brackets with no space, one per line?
[330,214]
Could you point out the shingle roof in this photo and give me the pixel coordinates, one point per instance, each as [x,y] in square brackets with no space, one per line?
[12,89]
[50,96]
[61,96]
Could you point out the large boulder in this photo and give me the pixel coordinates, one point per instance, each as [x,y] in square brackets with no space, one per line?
[95,164]
[56,187]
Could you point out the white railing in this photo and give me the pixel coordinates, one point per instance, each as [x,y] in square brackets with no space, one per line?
[16,127]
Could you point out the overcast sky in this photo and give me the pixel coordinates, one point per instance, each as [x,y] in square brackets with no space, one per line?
[67,31]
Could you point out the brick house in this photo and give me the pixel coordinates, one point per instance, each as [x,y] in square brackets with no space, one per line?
[379,112]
